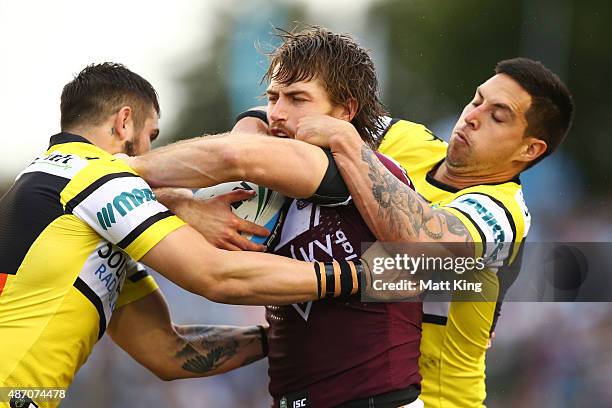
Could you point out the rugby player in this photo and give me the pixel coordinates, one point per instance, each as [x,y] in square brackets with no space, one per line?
[468,191]
[73,226]
[331,353]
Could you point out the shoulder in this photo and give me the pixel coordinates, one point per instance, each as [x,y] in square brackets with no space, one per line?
[411,144]
[497,212]
[404,131]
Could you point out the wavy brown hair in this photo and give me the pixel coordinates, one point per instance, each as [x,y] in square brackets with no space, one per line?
[345,69]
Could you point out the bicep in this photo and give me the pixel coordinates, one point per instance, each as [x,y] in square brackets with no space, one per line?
[186,258]
[180,257]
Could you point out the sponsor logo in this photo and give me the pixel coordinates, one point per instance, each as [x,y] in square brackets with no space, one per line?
[296,400]
[312,251]
[56,159]
[111,271]
[334,240]
[487,216]
[122,204]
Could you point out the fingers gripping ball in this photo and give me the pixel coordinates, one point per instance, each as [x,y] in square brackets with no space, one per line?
[265,208]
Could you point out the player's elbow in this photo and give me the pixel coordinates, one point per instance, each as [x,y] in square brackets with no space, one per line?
[226,289]
[166,376]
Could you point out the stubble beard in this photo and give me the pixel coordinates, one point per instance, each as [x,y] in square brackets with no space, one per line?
[130,148]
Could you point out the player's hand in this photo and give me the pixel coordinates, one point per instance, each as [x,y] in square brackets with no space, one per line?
[323,130]
[225,228]
[214,219]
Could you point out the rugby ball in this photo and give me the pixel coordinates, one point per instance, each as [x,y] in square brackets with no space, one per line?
[265,208]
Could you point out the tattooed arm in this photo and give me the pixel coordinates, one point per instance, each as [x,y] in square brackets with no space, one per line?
[393,211]
[145,331]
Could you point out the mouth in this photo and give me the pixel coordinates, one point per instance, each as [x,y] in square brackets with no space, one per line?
[278,132]
[461,137]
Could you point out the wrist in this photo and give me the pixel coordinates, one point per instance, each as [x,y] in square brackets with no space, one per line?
[173,198]
[346,141]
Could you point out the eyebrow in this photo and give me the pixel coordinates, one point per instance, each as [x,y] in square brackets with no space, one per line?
[499,105]
[290,93]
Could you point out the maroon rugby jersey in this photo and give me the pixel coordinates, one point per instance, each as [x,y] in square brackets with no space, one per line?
[329,352]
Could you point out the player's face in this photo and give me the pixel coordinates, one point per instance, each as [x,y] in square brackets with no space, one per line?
[141,142]
[287,104]
[489,134]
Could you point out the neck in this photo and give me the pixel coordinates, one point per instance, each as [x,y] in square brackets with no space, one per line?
[99,136]
[446,175]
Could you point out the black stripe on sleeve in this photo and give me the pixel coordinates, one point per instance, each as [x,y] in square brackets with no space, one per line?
[482,235]
[512,227]
[125,242]
[435,319]
[141,274]
[508,215]
[76,200]
[82,287]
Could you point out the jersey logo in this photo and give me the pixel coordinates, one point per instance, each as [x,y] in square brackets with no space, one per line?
[123,203]
[488,217]
[303,309]
[57,159]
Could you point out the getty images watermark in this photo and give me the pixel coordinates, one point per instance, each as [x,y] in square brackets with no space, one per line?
[387,273]
[508,271]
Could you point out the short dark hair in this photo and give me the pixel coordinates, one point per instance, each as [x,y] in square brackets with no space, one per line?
[552,108]
[345,69]
[100,90]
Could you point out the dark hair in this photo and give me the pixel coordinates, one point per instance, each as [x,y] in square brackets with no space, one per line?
[345,69]
[100,90]
[552,109]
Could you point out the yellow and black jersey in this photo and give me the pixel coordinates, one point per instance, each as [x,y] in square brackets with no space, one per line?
[455,334]
[72,227]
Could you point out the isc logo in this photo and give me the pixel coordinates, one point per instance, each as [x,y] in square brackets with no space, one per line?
[299,403]
[123,203]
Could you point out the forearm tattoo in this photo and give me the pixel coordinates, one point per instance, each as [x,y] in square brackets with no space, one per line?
[407,214]
[210,348]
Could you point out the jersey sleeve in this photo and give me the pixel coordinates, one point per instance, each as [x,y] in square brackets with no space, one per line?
[491,226]
[138,284]
[412,145]
[121,208]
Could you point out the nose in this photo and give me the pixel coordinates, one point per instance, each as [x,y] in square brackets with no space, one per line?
[276,111]
[472,118]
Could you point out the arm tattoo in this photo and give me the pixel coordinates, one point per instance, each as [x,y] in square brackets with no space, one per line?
[402,208]
[209,348]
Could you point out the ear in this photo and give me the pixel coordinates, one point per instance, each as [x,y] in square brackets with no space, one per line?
[123,122]
[533,149]
[348,110]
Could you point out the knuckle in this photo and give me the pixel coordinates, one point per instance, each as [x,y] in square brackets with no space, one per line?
[233,223]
